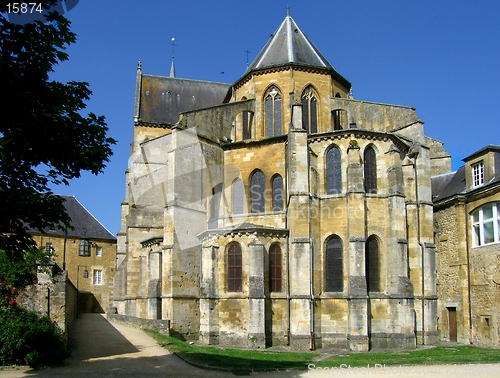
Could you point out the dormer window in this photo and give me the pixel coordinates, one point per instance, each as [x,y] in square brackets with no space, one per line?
[477,174]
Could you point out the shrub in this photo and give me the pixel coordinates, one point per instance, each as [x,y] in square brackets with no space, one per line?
[27,337]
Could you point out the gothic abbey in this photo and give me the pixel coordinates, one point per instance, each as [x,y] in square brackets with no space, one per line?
[279,210]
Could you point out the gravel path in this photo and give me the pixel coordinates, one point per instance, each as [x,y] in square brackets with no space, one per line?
[104,349]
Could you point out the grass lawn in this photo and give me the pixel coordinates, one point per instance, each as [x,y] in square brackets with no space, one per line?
[238,359]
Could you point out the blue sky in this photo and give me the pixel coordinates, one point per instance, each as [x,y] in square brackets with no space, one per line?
[440,57]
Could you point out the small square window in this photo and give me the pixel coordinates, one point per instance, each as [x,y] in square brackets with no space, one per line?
[98,251]
[97,277]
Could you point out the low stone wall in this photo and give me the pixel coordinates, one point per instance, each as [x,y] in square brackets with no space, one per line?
[160,325]
[53,295]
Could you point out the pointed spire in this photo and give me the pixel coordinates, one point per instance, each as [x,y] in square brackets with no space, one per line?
[172,67]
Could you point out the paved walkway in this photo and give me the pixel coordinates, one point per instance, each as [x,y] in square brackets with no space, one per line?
[104,349]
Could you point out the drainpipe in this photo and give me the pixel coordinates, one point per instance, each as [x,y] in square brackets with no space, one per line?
[287,251]
[311,250]
[64,249]
[467,250]
[414,154]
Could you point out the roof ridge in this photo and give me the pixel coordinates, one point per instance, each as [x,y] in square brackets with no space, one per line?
[92,215]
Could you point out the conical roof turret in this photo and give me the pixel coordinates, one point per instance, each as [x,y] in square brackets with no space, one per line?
[290,46]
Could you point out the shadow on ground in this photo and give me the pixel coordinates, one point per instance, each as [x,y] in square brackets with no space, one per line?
[101,349]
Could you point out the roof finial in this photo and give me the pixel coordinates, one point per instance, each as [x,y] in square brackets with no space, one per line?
[139,65]
[288,10]
[248,52]
[172,67]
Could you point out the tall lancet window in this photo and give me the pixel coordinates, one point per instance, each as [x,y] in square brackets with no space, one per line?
[372,264]
[370,170]
[273,112]
[247,119]
[238,197]
[278,199]
[334,277]
[310,111]
[275,268]
[257,192]
[234,268]
[333,171]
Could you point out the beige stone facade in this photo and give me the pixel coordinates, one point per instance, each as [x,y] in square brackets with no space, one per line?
[91,268]
[467,221]
[286,212]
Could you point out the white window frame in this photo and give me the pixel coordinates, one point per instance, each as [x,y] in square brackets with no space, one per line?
[97,277]
[479,222]
[478,174]
[98,251]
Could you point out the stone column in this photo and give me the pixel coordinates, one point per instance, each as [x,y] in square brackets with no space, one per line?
[154,285]
[209,317]
[299,227]
[356,215]
[256,297]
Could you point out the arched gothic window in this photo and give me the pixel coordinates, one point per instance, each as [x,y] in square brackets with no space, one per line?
[334,278]
[372,264]
[257,192]
[238,197]
[275,270]
[234,268]
[310,111]
[273,112]
[278,199]
[333,171]
[370,170]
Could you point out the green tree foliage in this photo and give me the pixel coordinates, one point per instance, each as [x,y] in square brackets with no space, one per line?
[44,138]
[26,337]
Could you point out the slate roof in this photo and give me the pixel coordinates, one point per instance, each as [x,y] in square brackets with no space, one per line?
[489,147]
[290,46]
[84,223]
[448,185]
[160,99]
[451,184]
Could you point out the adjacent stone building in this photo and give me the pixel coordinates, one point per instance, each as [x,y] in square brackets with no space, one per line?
[279,209]
[467,226]
[88,254]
